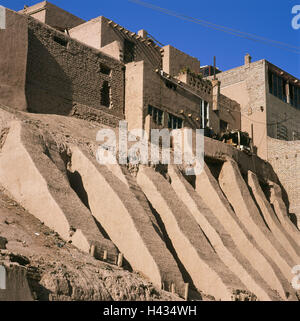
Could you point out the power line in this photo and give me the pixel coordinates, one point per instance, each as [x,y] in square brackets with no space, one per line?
[235,32]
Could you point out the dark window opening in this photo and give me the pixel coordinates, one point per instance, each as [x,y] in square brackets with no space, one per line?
[170,85]
[61,41]
[209,71]
[174,122]
[157,115]
[277,86]
[129,51]
[291,94]
[223,126]
[105,70]
[105,94]
[282,132]
[295,96]
[270,75]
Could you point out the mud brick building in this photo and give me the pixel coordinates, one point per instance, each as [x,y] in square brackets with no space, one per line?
[56,63]
[100,68]
[224,233]
[46,71]
[270,113]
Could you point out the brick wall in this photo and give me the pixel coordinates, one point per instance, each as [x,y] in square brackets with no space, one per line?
[230,112]
[282,117]
[13,61]
[102,33]
[247,86]
[145,87]
[284,156]
[171,100]
[52,15]
[62,72]
[175,60]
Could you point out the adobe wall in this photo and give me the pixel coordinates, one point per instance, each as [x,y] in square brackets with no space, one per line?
[284,156]
[247,86]
[270,218]
[201,86]
[44,189]
[102,33]
[208,273]
[280,114]
[174,61]
[52,15]
[13,60]
[157,94]
[230,112]
[238,194]
[216,150]
[218,236]
[88,32]
[63,74]
[134,94]
[207,186]
[145,87]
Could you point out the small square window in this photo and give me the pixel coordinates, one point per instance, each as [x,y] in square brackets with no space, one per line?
[105,70]
[61,41]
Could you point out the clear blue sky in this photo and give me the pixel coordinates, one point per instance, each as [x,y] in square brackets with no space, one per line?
[266,18]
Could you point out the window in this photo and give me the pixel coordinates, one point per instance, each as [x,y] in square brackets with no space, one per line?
[170,85]
[105,94]
[204,113]
[223,125]
[277,86]
[61,41]
[295,96]
[129,51]
[174,122]
[157,115]
[282,132]
[270,76]
[105,70]
[209,71]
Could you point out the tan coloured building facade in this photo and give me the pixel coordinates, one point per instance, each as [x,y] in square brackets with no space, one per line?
[99,67]
[52,15]
[101,70]
[161,81]
[221,234]
[270,113]
[269,99]
[48,66]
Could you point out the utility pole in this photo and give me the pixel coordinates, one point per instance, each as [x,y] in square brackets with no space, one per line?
[214,67]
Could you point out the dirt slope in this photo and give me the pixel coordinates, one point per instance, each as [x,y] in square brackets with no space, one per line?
[57,270]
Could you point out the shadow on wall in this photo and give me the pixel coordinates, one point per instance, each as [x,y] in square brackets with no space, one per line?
[293,218]
[48,88]
[266,189]
[76,184]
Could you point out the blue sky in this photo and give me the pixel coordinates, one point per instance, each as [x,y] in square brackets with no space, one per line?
[266,18]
